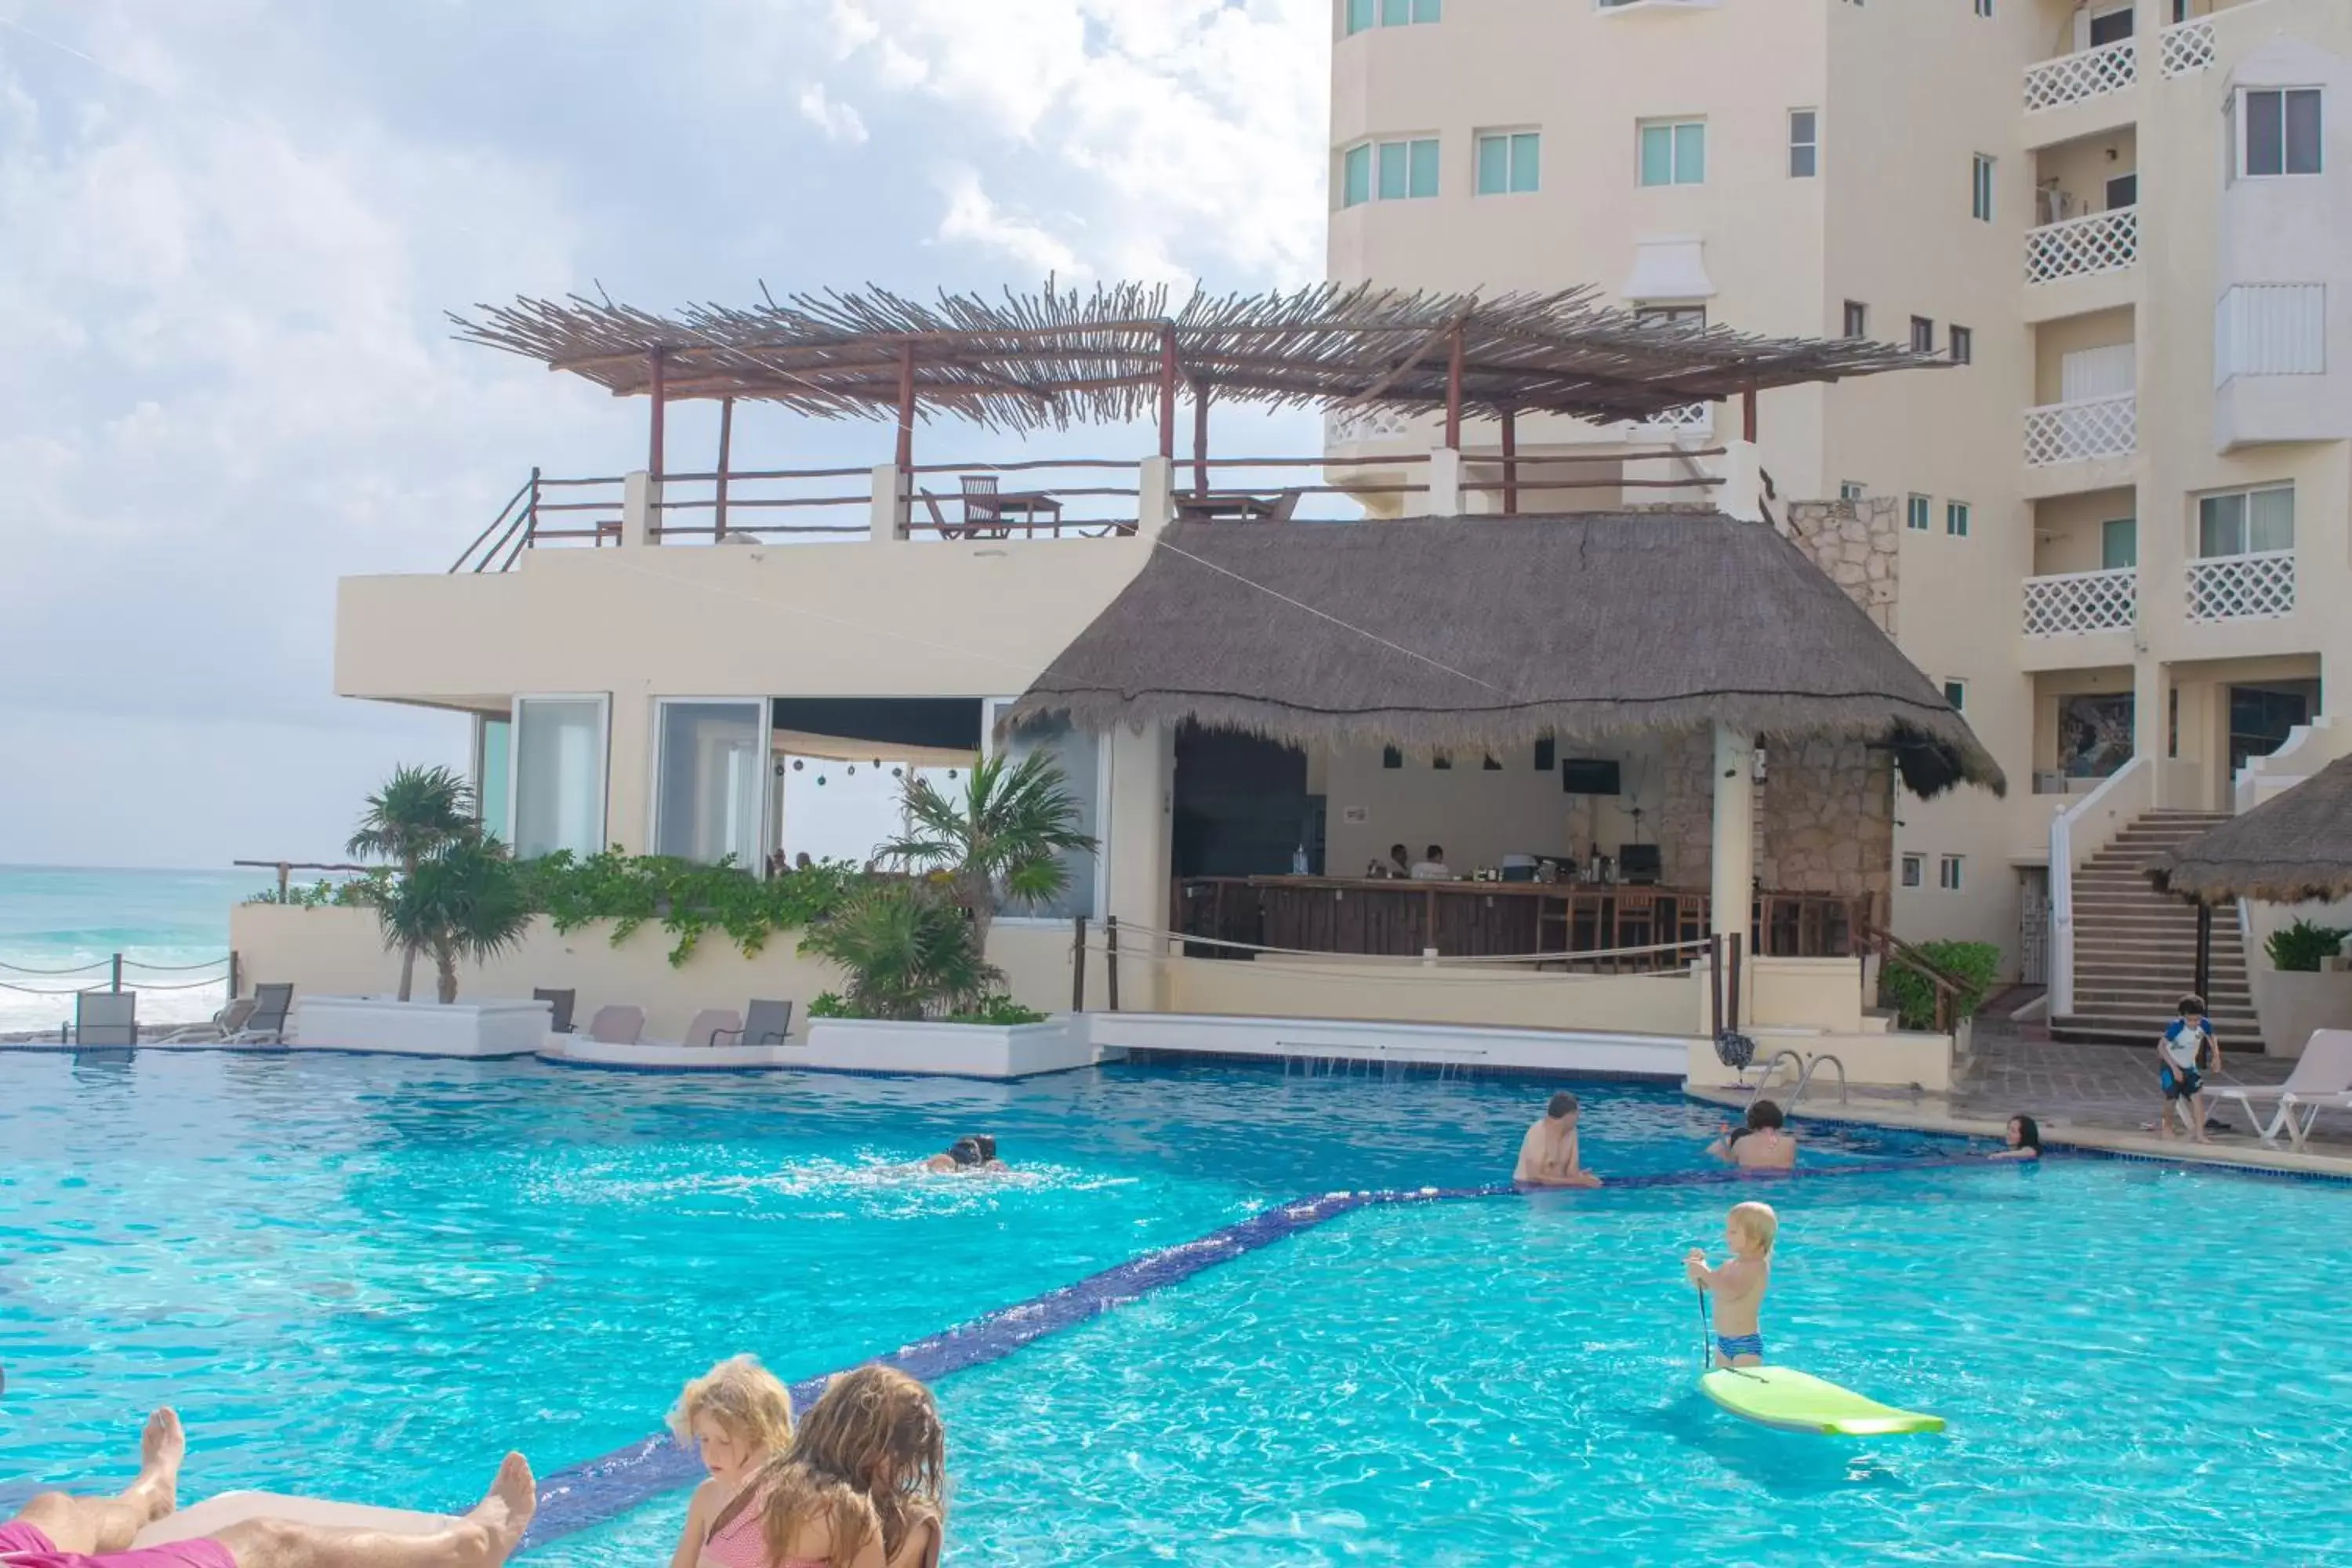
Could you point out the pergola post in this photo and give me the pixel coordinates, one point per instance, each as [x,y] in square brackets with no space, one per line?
[1200,440]
[1454,389]
[1732,885]
[906,409]
[1747,415]
[653,442]
[2204,985]
[1167,393]
[1510,462]
[726,437]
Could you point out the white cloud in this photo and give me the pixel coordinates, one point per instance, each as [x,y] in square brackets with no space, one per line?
[972,217]
[839,121]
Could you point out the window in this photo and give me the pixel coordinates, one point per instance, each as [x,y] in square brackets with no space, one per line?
[1804,143]
[2094,733]
[1956,692]
[2119,543]
[1365,14]
[1956,519]
[1916,513]
[1442,760]
[1078,753]
[1857,319]
[1947,873]
[1915,870]
[1684,318]
[1391,757]
[709,785]
[559,775]
[2111,25]
[1964,346]
[2278,132]
[1923,335]
[1508,162]
[1849,490]
[1673,151]
[1546,754]
[1984,7]
[2246,522]
[1388,171]
[1980,188]
[493,800]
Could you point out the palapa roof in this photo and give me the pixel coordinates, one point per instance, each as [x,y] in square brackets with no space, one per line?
[1052,357]
[1440,633]
[2294,847]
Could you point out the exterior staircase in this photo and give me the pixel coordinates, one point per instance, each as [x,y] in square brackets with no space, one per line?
[2136,949]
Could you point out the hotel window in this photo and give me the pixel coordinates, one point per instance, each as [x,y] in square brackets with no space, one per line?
[1680,318]
[1923,335]
[1857,319]
[1956,519]
[1366,14]
[2278,132]
[1510,163]
[1388,171]
[1915,870]
[1947,873]
[559,775]
[1956,692]
[1849,490]
[1980,188]
[1964,346]
[1078,755]
[1916,513]
[493,799]
[1392,758]
[1984,7]
[2119,543]
[2246,522]
[1804,143]
[708,784]
[1673,151]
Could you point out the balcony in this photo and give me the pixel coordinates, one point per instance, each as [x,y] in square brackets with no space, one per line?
[2186,47]
[2073,603]
[2082,247]
[2060,433]
[2092,73]
[2259,587]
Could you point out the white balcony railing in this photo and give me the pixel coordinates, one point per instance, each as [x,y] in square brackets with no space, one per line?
[2071,432]
[2242,587]
[1344,426]
[1687,419]
[2187,47]
[2088,73]
[2101,242]
[2075,602]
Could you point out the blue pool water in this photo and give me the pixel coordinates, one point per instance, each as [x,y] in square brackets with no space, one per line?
[389,1272]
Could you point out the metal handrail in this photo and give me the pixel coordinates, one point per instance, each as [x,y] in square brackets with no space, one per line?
[1805,1078]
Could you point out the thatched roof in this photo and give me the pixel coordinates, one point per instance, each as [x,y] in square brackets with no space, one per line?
[1052,357]
[2292,848]
[1461,633]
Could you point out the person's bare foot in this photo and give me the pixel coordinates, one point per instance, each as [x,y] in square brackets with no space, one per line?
[505,1511]
[162,1447]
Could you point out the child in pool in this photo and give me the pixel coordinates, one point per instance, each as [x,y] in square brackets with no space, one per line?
[739,1416]
[2023,1140]
[1738,1286]
[862,1487]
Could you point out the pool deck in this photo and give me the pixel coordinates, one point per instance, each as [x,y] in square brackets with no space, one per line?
[2083,1096]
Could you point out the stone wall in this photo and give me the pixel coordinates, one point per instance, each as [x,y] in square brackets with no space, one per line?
[1859,544]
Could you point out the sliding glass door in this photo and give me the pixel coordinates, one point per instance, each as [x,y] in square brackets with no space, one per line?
[559,748]
[709,780]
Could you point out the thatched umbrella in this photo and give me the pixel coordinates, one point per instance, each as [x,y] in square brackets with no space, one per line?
[2292,848]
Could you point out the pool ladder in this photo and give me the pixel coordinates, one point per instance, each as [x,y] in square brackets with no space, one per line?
[1805,1070]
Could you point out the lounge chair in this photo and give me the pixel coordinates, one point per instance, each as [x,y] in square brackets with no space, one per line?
[2322,1080]
[946,530]
[1286,506]
[766,1024]
[265,1025]
[711,1023]
[559,1008]
[617,1025]
[106,1018]
[224,1023]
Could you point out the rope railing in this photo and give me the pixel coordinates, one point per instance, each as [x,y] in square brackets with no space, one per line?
[1371,961]
[118,962]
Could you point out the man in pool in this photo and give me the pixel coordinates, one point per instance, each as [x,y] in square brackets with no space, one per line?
[54,1530]
[970,1156]
[1549,1156]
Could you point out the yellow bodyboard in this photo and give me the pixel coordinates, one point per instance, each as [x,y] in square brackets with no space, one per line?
[1791,1401]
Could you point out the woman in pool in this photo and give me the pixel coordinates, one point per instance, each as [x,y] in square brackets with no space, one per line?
[1762,1144]
[967,1156]
[862,1487]
[740,1416]
[2023,1141]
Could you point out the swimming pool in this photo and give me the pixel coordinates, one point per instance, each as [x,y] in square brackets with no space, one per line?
[390,1271]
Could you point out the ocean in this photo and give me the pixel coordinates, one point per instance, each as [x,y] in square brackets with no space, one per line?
[61,927]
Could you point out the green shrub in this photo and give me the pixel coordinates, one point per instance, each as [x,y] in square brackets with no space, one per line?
[999,1010]
[829,1004]
[2299,948]
[908,949]
[1972,965]
[686,897]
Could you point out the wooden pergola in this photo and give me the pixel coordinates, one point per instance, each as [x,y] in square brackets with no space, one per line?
[1052,357]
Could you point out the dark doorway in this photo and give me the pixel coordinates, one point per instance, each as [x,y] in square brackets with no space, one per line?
[1242,807]
[2262,716]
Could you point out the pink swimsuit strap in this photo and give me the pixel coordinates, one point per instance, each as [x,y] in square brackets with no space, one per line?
[739,1544]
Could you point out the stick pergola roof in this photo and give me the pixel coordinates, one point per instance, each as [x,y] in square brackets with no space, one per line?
[1055,358]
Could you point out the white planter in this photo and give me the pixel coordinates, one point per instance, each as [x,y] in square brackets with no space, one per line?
[655,1055]
[2291,1005]
[947,1050]
[419,1028]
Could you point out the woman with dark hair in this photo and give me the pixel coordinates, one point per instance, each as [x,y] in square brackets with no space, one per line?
[1763,1143]
[2022,1138]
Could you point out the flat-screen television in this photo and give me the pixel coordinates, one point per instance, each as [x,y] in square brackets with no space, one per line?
[1588,776]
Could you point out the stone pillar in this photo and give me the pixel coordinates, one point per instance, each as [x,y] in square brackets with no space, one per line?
[891,494]
[1741,494]
[1155,498]
[1734,858]
[640,510]
[2152,724]
[1445,482]
[1137,840]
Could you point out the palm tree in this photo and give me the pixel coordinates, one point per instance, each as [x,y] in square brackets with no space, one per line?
[466,900]
[908,952]
[417,813]
[1006,836]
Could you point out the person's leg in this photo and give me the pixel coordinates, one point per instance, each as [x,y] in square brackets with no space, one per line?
[107,1524]
[482,1538]
[2197,1118]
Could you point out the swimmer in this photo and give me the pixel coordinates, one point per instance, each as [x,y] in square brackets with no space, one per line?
[1762,1143]
[2023,1141]
[1549,1154]
[970,1156]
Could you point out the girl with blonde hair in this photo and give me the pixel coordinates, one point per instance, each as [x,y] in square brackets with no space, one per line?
[739,1415]
[863,1486]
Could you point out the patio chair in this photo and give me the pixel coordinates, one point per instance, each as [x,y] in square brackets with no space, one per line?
[2322,1080]
[106,1018]
[617,1025]
[766,1024]
[224,1023]
[265,1025]
[939,519]
[1285,505]
[984,516]
[711,1023]
[559,1008]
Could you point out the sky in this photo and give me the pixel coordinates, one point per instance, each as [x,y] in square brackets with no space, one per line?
[229,230]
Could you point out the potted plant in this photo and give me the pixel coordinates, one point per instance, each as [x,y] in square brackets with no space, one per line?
[922,996]
[417,813]
[2296,993]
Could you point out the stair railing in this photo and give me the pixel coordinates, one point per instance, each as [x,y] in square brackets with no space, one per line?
[1893,949]
[2076,833]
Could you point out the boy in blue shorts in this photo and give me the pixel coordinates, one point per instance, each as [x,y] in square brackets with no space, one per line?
[2184,1053]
